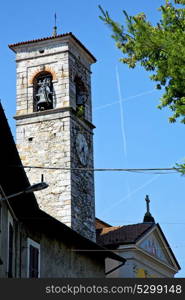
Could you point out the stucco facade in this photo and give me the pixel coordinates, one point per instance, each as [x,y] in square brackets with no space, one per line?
[143,245]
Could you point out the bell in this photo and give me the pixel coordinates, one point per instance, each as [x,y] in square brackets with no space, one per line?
[43,95]
[42,101]
[42,104]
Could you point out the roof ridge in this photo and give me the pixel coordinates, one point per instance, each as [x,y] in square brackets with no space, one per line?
[39,39]
[11,46]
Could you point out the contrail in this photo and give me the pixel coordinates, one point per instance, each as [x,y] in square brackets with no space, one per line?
[125,99]
[123,131]
[121,113]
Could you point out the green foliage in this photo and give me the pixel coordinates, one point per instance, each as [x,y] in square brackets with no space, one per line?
[160,49]
[80,111]
[180,168]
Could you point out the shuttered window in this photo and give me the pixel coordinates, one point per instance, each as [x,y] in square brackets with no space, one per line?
[33,259]
[0,215]
[34,262]
[10,246]
[10,251]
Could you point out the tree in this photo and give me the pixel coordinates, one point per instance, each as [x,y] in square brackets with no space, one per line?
[160,49]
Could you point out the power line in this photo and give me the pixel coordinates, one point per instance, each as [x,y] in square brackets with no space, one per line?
[132,170]
[129,222]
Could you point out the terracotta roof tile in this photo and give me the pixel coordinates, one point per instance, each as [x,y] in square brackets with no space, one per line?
[11,46]
[101,224]
[116,235]
[39,40]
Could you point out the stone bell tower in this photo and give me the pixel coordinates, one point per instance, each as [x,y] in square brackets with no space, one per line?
[54,126]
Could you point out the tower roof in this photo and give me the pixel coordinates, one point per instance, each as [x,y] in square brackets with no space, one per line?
[59,36]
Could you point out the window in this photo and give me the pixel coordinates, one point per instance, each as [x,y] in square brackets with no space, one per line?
[10,245]
[33,259]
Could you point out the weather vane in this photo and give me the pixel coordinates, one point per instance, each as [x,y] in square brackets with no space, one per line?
[55,27]
[147,204]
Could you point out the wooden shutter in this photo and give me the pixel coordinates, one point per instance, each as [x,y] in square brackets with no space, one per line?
[10,251]
[34,262]
[0,215]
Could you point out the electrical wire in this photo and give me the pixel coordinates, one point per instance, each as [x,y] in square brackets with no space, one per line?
[134,170]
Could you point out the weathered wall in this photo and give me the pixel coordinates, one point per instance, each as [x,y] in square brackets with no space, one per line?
[44,141]
[58,259]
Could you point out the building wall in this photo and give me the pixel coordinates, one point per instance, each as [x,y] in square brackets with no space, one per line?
[49,147]
[67,262]
[57,258]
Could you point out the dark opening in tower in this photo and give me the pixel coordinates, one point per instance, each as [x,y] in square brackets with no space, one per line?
[81,96]
[42,91]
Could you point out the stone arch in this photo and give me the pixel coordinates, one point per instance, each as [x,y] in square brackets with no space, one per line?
[43,69]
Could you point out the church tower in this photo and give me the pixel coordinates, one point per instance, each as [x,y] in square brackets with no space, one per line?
[54,130]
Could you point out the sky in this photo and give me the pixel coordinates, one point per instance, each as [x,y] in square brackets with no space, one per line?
[130,131]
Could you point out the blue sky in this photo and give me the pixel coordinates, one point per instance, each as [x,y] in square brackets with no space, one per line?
[130,131]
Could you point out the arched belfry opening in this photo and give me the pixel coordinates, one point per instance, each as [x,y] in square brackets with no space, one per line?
[81,96]
[42,91]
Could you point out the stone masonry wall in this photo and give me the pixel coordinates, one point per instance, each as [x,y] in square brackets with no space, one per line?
[43,143]
[82,184]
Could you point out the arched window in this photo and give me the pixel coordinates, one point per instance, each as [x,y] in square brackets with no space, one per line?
[42,91]
[81,96]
